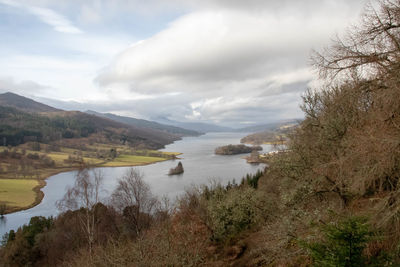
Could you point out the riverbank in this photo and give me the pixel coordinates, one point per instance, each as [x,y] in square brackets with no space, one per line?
[14,187]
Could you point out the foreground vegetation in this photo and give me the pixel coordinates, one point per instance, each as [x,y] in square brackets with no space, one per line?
[332,199]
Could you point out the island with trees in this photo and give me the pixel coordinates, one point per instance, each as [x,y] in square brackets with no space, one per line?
[236,149]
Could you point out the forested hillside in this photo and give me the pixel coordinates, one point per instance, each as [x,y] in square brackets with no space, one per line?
[24,120]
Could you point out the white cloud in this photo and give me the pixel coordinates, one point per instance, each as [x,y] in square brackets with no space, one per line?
[220,46]
[65,78]
[231,63]
[90,13]
[26,87]
[59,22]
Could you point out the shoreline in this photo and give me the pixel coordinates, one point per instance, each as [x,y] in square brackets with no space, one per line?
[42,182]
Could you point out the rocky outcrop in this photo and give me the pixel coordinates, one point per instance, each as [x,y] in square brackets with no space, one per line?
[177,170]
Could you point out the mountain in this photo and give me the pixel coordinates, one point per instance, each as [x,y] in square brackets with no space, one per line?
[23,120]
[23,103]
[195,126]
[146,124]
[268,126]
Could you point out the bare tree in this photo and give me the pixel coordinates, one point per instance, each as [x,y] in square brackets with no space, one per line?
[372,48]
[134,198]
[84,194]
[345,144]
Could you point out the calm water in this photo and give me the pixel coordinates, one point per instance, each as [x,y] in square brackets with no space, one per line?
[199,161]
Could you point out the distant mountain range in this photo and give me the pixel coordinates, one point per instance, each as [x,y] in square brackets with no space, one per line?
[146,124]
[208,127]
[195,126]
[267,127]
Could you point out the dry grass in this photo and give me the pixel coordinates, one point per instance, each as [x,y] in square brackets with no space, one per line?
[130,160]
[18,192]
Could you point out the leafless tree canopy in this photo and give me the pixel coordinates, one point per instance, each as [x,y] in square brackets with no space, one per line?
[372,48]
[349,140]
[134,198]
[85,195]
[85,192]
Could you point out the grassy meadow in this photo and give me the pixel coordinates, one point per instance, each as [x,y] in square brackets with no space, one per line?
[18,192]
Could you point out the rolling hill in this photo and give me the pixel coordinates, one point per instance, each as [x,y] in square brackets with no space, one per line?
[23,103]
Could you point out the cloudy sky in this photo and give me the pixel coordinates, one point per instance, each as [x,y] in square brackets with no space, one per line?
[230,62]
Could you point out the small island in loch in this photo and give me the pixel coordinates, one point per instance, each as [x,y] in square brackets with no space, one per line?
[236,149]
[177,170]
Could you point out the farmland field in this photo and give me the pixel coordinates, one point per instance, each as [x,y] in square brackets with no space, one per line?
[17,192]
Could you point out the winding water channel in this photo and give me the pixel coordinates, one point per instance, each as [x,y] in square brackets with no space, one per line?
[199,161]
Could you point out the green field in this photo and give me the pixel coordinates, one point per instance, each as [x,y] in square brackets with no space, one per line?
[17,192]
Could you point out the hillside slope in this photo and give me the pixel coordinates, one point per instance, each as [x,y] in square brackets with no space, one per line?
[268,126]
[145,124]
[277,135]
[23,120]
[23,103]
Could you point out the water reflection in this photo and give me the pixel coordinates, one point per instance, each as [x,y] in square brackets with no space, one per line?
[3,221]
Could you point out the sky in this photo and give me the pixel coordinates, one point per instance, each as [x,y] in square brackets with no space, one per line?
[229,62]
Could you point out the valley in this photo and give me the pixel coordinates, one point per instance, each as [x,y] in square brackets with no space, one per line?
[39,141]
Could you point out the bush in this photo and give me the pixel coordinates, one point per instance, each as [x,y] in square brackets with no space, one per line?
[233,211]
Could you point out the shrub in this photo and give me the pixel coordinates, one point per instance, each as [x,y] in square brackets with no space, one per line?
[233,211]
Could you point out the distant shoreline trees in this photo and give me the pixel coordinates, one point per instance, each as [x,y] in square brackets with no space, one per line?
[236,149]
